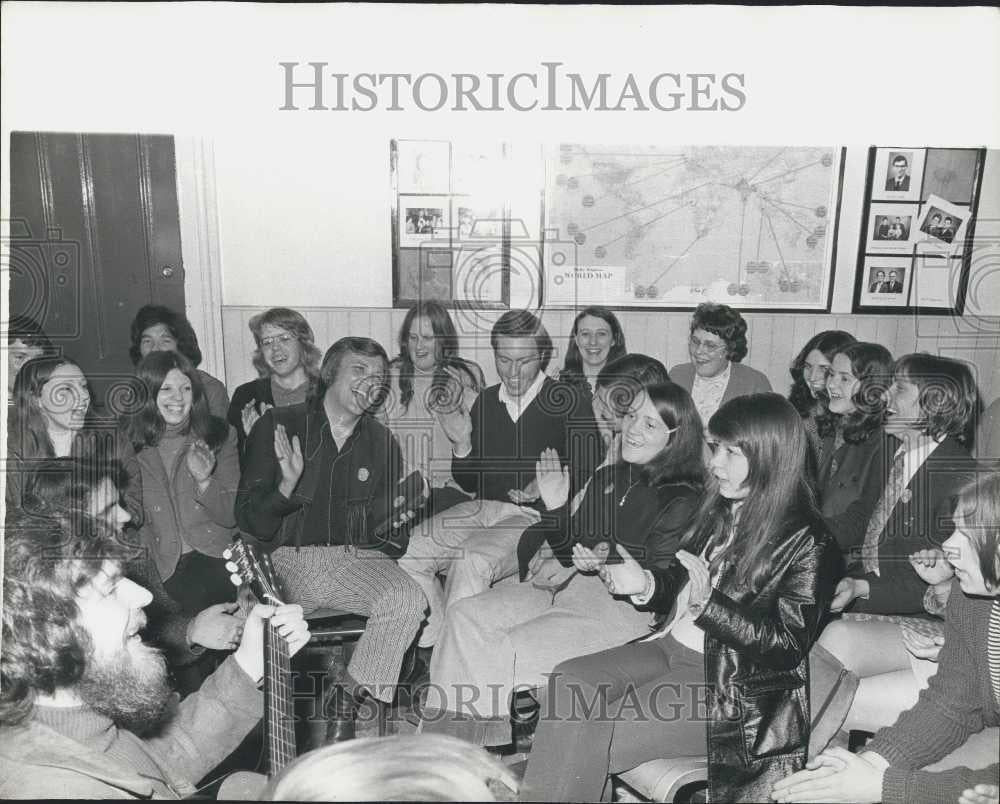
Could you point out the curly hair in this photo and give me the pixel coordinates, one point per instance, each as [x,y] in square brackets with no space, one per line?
[949,398]
[47,561]
[828,343]
[62,486]
[446,353]
[572,370]
[727,323]
[293,322]
[523,324]
[177,324]
[146,426]
[871,365]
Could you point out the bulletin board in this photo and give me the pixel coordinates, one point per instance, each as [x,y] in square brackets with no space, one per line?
[917,229]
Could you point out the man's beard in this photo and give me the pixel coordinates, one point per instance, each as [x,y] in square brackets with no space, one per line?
[131,689]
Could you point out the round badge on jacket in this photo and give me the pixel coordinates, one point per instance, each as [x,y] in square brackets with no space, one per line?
[363,474]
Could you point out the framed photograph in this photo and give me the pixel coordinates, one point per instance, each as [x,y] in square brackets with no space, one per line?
[898,174]
[918,226]
[887,281]
[423,218]
[891,228]
[942,225]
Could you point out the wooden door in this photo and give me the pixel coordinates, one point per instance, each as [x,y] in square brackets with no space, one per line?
[95,235]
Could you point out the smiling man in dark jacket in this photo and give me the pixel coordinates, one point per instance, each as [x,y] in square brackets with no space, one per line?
[318,488]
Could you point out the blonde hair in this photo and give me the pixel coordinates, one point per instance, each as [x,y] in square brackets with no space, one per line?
[415,767]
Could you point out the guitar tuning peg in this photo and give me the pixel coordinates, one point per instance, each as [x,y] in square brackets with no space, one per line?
[236,579]
[227,553]
[231,566]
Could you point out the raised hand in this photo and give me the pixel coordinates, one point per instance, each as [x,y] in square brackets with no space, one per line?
[291,625]
[931,566]
[627,578]
[457,425]
[200,461]
[252,412]
[289,455]
[217,627]
[552,479]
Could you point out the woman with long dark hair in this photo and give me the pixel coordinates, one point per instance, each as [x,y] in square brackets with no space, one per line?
[747,591]
[52,418]
[852,466]
[156,328]
[510,636]
[190,474]
[595,340]
[427,378]
[809,371]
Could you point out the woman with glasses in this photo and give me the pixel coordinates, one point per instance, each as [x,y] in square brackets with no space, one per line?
[287,360]
[717,344]
[809,371]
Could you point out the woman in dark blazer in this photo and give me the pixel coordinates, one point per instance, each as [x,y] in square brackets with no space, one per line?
[715,375]
[745,600]
[853,469]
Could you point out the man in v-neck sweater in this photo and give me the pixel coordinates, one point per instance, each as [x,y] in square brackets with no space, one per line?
[494,449]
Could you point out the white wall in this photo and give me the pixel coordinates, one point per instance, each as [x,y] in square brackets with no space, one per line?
[305,222]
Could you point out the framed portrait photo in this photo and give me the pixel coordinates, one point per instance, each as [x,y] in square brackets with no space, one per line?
[891,228]
[887,281]
[898,174]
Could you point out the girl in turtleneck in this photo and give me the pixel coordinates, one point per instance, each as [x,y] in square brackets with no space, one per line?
[190,473]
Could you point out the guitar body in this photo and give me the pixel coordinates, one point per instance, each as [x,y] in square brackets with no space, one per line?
[254,569]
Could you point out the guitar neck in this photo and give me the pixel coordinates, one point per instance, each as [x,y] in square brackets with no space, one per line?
[279,714]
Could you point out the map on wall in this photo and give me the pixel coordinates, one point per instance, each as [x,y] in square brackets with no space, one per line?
[752,227]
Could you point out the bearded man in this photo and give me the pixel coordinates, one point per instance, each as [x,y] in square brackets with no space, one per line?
[85,708]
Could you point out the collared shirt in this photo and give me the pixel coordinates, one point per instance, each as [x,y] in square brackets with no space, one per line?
[707,392]
[321,521]
[517,406]
[916,456]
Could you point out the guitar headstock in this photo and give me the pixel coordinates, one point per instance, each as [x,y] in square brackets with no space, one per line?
[253,569]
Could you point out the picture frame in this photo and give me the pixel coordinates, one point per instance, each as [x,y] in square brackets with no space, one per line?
[922,231]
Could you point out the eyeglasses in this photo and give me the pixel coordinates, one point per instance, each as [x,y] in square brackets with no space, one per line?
[710,347]
[274,340]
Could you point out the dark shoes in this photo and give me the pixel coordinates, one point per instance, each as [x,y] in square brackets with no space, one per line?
[340,707]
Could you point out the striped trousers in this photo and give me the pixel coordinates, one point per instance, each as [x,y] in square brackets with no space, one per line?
[365,582]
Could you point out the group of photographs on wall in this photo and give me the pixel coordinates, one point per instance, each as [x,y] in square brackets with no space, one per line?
[917,230]
[495,226]
[448,231]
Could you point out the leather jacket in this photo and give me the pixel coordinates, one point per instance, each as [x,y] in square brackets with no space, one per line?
[757,645]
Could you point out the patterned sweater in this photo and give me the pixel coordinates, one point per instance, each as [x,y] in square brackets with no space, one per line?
[958,703]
